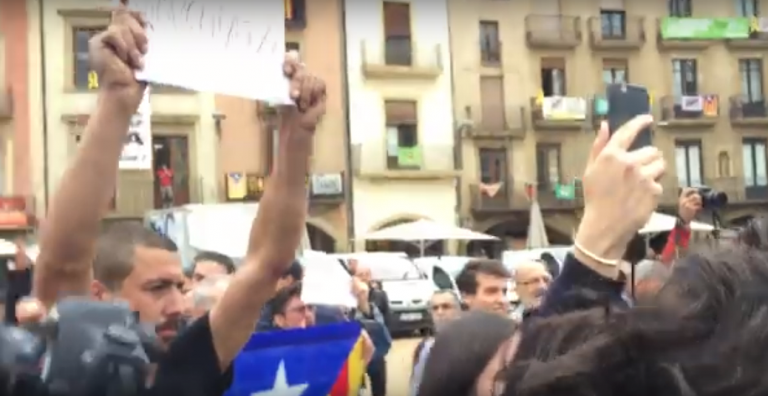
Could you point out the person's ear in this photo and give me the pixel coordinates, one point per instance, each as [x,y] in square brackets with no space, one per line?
[279,320]
[99,291]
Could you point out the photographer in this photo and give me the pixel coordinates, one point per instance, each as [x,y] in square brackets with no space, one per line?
[689,205]
[134,264]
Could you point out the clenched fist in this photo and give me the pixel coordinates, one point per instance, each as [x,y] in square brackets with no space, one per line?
[117,53]
[307,91]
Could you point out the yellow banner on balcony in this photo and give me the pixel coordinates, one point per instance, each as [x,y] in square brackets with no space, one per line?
[236,186]
[93,80]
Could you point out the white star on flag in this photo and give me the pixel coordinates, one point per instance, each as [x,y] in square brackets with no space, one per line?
[281,387]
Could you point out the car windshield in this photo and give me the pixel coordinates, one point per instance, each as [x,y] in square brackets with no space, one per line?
[392,268]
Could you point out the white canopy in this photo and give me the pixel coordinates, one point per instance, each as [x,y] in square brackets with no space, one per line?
[425,230]
[660,222]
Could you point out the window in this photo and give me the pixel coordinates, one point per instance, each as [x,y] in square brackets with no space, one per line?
[490,47]
[688,163]
[403,151]
[615,71]
[292,46]
[747,8]
[397,32]
[755,167]
[751,75]
[547,165]
[493,165]
[613,24]
[680,8]
[553,76]
[492,103]
[685,76]
[83,76]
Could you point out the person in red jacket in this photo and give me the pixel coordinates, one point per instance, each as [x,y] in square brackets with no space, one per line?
[165,178]
[689,204]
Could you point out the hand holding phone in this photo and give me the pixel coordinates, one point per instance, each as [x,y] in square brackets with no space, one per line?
[625,102]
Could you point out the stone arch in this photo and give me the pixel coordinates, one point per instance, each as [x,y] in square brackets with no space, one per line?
[326,229]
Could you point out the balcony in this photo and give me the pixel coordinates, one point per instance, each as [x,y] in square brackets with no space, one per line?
[744,112]
[675,41]
[400,57]
[6,96]
[551,197]
[489,199]
[553,31]
[17,212]
[559,113]
[490,54]
[244,186]
[494,122]
[135,195]
[631,36]
[370,160]
[689,111]
[756,40]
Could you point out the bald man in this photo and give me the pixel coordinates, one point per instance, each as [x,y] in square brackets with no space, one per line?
[531,283]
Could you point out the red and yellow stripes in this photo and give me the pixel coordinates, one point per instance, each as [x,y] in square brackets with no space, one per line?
[351,376]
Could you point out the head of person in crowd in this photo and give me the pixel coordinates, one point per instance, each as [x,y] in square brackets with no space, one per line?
[700,333]
[208,263]
[445,306]
[531,282]
[483,285]
[139,266]
[206,294]
[289,312]
[363,272]
[461,352]
[294,274]
[650,276]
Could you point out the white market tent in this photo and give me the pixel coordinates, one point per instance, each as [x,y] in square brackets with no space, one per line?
[426,230]
[660,222]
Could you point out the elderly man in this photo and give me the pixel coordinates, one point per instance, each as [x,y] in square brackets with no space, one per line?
[531,283]
[445,307]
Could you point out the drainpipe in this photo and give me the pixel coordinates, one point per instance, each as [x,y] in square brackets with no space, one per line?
[44,93]
[348,175]
[458,158]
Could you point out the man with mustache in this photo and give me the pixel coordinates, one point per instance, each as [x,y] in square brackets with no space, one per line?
[135,264]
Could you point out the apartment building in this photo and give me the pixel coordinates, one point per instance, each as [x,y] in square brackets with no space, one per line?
[529,97]
[248,131]
[183,123]
[401,121]
[17,203]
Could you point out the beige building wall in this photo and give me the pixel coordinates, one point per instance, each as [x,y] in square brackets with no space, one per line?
[247,138]
[174,113]
[536,33]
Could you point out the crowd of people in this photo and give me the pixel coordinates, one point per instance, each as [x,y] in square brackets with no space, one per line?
[682,322]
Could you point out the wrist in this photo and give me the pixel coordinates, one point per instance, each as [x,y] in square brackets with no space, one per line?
[114,103]
[599,240]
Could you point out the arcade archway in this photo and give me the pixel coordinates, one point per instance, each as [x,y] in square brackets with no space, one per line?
[320,240]
[512,234]
[432,248]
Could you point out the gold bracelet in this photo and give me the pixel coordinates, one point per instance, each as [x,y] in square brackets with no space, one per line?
[595,257]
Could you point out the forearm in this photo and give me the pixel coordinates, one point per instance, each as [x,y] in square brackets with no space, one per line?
[82,197]
[275,235]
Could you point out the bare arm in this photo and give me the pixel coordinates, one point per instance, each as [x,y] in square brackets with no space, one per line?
[275,235]
[68,236]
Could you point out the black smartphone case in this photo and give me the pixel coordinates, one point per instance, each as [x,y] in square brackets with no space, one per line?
[625,101]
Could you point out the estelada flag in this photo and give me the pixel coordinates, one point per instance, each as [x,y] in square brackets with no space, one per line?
[351,377]
[306,362]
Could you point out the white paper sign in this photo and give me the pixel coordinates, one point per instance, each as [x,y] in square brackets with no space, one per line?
[228,47]
[325,281]
[137,151]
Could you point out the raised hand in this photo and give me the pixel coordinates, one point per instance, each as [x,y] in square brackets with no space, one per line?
[621,190]
[307,91]
[117,53]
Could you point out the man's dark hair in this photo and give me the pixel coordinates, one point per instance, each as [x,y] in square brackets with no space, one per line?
[116,247]
[295,271]
[466,281]
[218,258]
[283,297]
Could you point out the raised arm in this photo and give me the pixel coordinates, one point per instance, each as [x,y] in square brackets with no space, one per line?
[279,225]
[69,233]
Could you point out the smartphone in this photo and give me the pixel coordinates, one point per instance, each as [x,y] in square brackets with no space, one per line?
[625,101]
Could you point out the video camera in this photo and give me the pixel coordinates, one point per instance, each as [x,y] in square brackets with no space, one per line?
[86,348]
[711,198]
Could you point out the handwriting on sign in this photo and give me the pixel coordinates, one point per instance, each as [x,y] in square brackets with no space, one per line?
[209,19]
